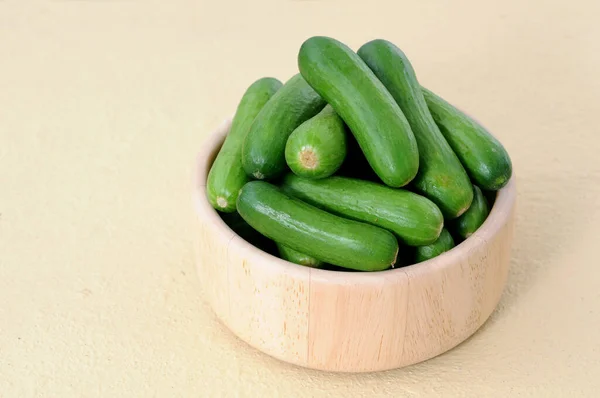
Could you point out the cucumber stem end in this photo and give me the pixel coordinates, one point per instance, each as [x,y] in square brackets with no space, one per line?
[258,175]
[222,202]
[308,159]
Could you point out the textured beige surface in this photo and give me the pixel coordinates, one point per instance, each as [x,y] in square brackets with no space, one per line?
[102,106]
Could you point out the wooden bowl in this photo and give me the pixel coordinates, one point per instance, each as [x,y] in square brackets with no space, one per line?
[350,321]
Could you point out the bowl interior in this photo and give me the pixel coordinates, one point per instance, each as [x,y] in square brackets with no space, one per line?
[499,214]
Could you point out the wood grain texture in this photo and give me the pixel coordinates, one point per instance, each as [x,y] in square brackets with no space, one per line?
[269,304]
[356,320]
[350,322]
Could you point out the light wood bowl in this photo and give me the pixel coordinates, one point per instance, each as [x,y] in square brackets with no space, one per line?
[350,321]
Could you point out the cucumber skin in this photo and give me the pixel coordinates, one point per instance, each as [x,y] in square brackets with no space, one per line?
[414,219]
[465,225]
[307,229]
[441,176]
[294,256]
[486,160]
[263,153]
[385,137]
[444,243]
[326,134]
[227,176]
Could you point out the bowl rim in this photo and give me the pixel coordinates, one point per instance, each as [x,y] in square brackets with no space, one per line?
[499,215]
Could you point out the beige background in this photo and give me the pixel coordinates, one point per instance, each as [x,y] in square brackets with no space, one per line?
[103,105]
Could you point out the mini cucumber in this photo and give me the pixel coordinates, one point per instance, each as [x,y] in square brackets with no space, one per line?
[263,153]
[465,225]
[482,155]
[444,243]
[294,256]
[441,177]
[414,219]
[315,232]
[227,176]
[317,148]
[339,75]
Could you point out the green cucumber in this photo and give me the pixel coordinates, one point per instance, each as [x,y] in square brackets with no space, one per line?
[483,156]
[294,256]
[227,176]
[465,225]
[317,148]
[444,243]
[315,232]
[263,153]
[441,177]
[339,75]
[414,219]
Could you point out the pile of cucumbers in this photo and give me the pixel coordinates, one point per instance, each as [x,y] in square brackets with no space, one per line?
[352,165]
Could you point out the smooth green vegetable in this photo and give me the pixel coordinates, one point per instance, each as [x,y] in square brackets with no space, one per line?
[444,243]
[441,176]
[465,225]
[339,75]
[482,155]
[414,219]
[263,153]
[317,148]
[294,256]
[227,176]
[308,229]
